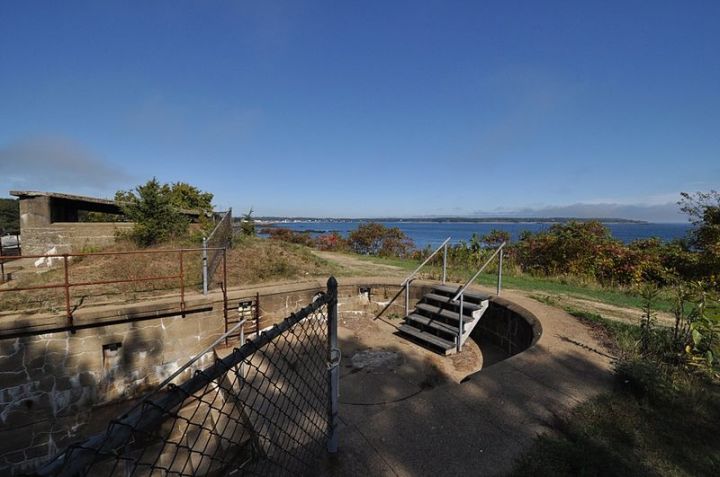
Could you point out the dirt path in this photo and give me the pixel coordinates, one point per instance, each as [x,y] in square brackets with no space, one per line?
[350,265]
[612,312]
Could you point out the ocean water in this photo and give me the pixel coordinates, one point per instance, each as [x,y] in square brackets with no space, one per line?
[434,233]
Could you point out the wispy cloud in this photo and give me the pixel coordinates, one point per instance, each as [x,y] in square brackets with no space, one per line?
[57,164]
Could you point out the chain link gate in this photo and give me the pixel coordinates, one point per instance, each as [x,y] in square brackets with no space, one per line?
[268,408]
[220,238]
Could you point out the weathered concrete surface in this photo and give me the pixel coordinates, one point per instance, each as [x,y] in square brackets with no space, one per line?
[477,427]
[67,237]
[409,417]
[46,223]
[54,383]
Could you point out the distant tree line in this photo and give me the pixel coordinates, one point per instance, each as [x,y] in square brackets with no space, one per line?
[9,216]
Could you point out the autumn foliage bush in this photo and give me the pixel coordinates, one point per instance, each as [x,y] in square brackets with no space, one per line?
[377,239]
[587,249]
[332,242]
[287,235]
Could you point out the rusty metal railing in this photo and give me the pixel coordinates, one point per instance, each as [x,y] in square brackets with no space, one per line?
[67,285]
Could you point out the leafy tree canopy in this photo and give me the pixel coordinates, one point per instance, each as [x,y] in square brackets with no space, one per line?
[155,209]
[703,210]
[9,216]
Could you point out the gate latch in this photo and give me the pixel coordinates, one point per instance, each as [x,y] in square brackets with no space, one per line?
[335,356]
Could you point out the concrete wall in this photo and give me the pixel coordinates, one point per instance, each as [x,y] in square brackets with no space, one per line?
[58,387]
[35,212]
[41,230]
[508,326]
[69,237]
[55,386]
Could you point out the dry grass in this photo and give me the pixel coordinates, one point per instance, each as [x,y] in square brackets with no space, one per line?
[256,260]
[250,261]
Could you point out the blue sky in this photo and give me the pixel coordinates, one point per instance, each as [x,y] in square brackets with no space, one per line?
[376,108]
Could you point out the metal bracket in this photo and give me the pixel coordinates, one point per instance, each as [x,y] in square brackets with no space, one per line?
[335,357]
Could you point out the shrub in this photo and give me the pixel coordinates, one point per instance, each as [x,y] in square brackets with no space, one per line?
[287,235]
[331,242]
[156,219]
[247,224]
[376,239]
[9,216]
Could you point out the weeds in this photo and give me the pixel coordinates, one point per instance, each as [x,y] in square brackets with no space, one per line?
[662,417]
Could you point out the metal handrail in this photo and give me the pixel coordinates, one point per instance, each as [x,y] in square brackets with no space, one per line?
[467,284]
[410,277]
[67,284]
[408,281]
[461,293]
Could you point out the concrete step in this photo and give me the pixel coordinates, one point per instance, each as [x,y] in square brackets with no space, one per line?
[421,322]
[451,290]
[432,341]
[432,311]
[442,302]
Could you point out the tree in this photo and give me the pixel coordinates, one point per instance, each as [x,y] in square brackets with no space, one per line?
[9,216]
[247,224]
[150,207]
[185,196]
[376,239]
[703,209]
[495,237]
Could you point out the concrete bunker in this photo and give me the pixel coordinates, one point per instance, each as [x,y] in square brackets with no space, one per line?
[70,223]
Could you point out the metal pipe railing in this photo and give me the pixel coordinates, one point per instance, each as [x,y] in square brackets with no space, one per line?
[442,245]
[408,280]
[472,279]
[461,293]
[67,284]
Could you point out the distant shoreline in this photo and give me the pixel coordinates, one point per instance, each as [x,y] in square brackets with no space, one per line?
[457,220]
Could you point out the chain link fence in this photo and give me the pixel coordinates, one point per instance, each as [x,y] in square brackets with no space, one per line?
[219,238]
[267,408]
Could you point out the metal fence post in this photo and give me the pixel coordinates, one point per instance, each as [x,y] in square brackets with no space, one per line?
[257,314]
[461,323]
[444,264]
[407,297]
[333,365]
[68,312]
[205,266]
[182,284]
[499,278]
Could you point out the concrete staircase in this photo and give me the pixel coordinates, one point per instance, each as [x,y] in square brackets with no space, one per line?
[434,323]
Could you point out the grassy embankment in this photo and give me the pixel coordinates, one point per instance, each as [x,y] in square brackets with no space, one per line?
[250,261]
[621,297]
[659,420]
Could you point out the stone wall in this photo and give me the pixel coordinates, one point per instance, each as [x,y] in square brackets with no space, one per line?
[56,385]
[68,237]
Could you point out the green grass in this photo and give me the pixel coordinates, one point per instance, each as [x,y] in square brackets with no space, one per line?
[561,285]
[658,420]
[620,434]
[403,263]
